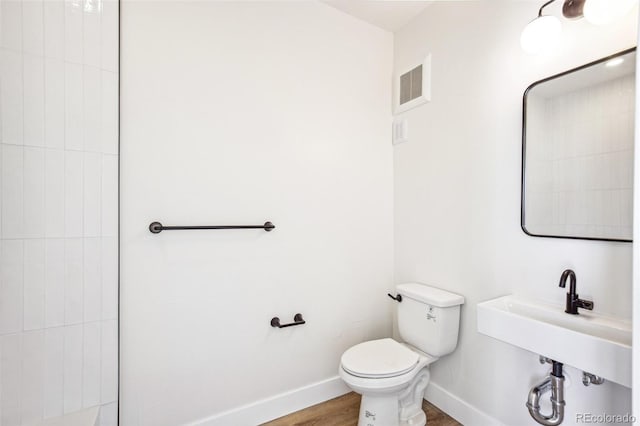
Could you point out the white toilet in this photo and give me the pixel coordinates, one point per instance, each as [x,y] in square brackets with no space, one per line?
[392,376]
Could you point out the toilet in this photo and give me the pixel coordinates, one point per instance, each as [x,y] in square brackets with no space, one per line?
[391,376]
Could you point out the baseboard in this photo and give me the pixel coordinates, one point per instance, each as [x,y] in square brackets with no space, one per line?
[277,406]
[455,407]
[285,403]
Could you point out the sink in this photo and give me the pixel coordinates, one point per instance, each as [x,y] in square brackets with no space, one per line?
[594,343]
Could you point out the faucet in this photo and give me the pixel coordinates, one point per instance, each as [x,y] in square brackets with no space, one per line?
[573,301]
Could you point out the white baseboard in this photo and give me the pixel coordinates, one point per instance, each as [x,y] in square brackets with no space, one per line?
[455,407]
[285,403]
[277,406]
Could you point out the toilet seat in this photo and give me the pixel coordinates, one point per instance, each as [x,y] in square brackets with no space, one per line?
[365,381]
[379,359]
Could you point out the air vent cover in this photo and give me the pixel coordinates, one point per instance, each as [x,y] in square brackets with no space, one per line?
[411,85]
[412,88]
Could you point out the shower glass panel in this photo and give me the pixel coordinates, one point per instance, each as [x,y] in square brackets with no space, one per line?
[58,212]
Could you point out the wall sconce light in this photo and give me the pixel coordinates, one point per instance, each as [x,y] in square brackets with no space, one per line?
[540,32]
[545,29]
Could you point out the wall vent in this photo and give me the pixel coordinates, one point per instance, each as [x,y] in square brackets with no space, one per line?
[411,85]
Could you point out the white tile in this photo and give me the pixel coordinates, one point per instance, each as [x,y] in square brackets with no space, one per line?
[11,24]
[109,202]
[54,29]
[613,130]
[33,99]
[73,297]
[91,365]
[626,200]
[91,32]
[73,193]
[73,107]
[109,361]
[109,123]
[54,118]
[54,282]
[1,189]
[626,169]
[54,198]
[92,280]
[33,27]
[109,278]
[34,198]
[34,284]
[72,380]
[110,35]
[12,191]
[73,30]
[11,285]
[92,94]
[612,209]
[11,99]
[11,378]
[53,372]
[109,414]
[92,194]
[32,376]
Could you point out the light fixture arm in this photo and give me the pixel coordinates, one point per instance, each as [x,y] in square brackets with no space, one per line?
[543,6]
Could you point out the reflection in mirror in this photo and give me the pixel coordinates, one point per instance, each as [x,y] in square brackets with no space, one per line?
[577,158]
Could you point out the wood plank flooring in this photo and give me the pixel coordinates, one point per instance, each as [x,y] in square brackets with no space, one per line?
[343,411]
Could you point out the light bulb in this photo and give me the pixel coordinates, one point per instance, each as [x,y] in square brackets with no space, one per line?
[603,12]
[540,33]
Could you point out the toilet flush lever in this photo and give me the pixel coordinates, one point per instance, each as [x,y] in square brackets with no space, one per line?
[397,298]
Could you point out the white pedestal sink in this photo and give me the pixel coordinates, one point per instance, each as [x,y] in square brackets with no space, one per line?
[593,343]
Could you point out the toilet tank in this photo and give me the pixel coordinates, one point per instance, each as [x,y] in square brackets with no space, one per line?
[429,318]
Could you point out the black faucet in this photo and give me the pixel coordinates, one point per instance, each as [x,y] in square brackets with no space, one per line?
[573,301]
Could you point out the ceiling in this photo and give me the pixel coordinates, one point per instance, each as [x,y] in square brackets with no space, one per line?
[390,15]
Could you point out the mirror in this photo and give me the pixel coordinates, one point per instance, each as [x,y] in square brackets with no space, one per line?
[577,152]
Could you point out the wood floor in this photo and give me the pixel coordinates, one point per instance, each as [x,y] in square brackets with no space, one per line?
[343,411]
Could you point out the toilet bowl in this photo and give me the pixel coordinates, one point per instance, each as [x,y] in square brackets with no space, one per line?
[392,376]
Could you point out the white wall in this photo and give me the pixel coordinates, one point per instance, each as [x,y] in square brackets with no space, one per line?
[457,196]
[59,215]
[238,113]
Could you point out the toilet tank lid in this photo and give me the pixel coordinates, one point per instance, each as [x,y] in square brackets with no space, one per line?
[430,295]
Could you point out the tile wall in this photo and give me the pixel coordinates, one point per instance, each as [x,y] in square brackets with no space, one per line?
[58,209]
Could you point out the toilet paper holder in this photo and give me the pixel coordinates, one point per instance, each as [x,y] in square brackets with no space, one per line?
[298,320]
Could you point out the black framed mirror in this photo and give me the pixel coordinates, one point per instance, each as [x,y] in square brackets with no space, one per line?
[577,152]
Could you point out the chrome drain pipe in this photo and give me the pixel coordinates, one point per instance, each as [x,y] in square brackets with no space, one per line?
[554,383]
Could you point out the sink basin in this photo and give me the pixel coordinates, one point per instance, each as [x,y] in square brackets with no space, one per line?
[594,343]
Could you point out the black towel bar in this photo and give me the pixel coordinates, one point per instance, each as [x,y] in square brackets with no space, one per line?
[157,227]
